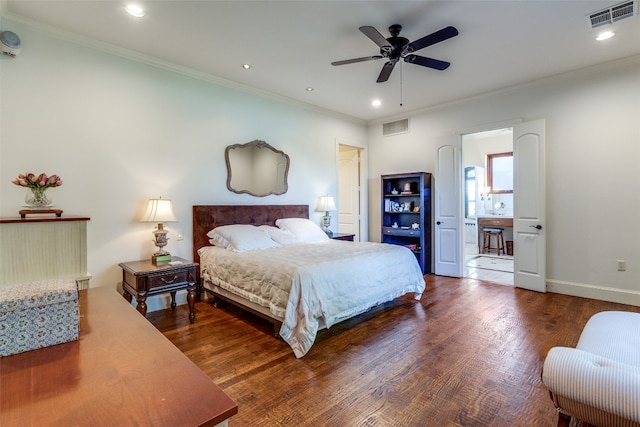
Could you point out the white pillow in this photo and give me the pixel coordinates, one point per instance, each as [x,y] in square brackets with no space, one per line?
[305,230]
[217,240]
[242,237]
[280,236]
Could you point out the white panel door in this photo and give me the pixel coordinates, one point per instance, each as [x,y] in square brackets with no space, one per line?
[529,206]
[349,191]
[448,205]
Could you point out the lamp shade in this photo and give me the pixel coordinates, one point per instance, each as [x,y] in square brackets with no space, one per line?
[159,210]
[325,204]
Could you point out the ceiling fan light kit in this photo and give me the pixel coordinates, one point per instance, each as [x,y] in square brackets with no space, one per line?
[396,47]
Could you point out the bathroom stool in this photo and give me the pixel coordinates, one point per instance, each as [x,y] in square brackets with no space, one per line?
[488,233]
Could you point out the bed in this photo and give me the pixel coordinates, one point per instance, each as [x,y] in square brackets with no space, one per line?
[300,287]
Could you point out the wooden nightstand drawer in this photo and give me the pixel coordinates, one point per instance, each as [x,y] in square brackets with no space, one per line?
[167,279]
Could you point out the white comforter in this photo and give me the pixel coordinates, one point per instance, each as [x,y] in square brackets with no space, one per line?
[315,285]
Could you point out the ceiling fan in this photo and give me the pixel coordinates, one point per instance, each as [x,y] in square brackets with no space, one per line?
[395,48]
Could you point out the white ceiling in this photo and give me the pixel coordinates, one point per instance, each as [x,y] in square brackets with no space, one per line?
[291,44]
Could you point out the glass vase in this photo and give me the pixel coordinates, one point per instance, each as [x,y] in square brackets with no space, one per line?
[37,198]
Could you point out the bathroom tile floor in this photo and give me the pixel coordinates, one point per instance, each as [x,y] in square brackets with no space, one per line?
[490,267]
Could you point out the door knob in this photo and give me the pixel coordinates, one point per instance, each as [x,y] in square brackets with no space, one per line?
[438,223]
[537,227]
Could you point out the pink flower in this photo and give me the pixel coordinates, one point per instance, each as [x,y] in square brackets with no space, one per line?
[32,180]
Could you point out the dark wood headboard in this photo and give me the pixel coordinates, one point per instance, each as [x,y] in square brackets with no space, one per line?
[207,217]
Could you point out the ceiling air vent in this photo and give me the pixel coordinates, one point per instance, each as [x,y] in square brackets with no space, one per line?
[394,128]
[612,14]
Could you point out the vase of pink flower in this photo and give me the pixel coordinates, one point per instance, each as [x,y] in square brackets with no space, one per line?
[37,185]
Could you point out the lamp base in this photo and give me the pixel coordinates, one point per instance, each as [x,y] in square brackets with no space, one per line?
[161,257]
[326,222]
[160,239]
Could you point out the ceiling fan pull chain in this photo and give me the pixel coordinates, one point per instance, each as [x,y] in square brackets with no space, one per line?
[401,73]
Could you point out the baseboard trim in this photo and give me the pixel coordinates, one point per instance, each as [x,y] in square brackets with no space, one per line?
[603,293]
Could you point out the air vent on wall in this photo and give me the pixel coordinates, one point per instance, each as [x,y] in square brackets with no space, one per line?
[394,128]
[612,14]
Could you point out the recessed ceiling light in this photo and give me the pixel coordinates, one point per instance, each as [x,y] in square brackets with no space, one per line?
[376,103]
[309,89]
[605,35]
[246,66]
[135,10]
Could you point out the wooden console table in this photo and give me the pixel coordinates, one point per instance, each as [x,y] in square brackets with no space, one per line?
[122,371]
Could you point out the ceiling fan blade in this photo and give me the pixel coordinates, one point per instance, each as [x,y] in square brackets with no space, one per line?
[433,38]
[374,35]
[436,64]
[354,60]
[386,72]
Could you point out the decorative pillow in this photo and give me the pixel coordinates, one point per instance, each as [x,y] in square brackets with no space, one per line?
[280,236]
[305,230]
[242,237]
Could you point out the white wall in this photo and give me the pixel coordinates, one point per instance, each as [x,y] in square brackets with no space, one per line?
[592,154]
[120,131]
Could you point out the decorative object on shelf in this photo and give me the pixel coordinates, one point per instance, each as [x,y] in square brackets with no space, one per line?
[407,188]
[326,205]
[37,197]
[160,211]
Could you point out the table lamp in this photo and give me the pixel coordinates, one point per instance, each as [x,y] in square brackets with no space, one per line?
[326,204]
[160,211]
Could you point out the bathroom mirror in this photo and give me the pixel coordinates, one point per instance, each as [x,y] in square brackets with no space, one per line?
[256,168]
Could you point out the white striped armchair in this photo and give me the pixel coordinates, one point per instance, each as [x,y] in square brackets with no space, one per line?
[598,382]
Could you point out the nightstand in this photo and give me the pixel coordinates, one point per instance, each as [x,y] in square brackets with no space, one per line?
[343,236]
[143,279]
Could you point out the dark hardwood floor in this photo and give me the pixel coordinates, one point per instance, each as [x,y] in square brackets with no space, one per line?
[469,353]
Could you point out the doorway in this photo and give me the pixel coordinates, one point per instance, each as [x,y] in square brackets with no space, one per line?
[349,194]
[487,208]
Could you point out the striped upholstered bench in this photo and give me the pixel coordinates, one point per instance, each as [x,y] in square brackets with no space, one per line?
[598,382]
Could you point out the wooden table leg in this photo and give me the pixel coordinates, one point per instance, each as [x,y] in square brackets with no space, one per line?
[142,304]
[191,300]
[173,300]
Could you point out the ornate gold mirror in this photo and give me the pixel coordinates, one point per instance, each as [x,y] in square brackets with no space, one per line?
[256,168]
